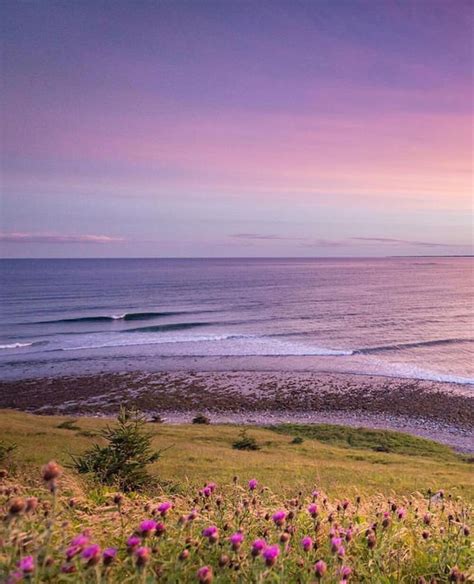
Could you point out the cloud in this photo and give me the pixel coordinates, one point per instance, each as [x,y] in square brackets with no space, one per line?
[55,238]
[348,242]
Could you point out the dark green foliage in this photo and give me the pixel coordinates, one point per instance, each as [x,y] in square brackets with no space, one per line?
[6,452]
[68,425]
[245,442]
[369,439]
[123,461]
[201,419]
[297,440]
[157,419]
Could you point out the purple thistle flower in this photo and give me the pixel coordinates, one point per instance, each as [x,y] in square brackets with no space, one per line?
[80,540]
[279,517]
[206,492]
[146,527]
[91,553]
[72,551]
[315,494]
[142,555]
[204,575]
[313,510]
[108,555]
[306,543]
[211,532]
[236,540]
[133,542]
[401,512]
[258,546]
[211,486]
[27,565]
[320,568]
[164,507]
[336,543]
[345,572]
[270,554]
[253,484]
[14,577]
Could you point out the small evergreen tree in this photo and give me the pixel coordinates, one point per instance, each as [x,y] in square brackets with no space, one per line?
[123,461]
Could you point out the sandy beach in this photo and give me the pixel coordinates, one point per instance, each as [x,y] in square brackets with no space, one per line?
[440,411]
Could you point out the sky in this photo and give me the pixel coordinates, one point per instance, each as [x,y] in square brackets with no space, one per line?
[236,128]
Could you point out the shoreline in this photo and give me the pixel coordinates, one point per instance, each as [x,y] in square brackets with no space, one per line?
[439,411]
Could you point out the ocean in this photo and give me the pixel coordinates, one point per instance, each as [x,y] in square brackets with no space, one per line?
[397,317]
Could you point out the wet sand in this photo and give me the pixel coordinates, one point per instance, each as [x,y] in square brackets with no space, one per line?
[439,411]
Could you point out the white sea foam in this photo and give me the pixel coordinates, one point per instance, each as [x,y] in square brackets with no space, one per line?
[15,345]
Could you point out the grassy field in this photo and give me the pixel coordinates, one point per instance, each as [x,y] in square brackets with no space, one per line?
[339,460]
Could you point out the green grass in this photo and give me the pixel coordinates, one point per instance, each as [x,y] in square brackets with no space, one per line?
[200,452]
[367,439]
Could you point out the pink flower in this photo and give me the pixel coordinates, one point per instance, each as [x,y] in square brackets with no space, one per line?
[142,556]
[313,510]
[91,554]
[72,551]
[211,532]
[14,577]
[164,507]
[345,572]
[336,542]
[206,492]
[27,565]
[315,494]
[270,554]
[211,486]
[279,517]
[258,546]
[345,504]
[236,540]
[80,540]
[306,543]
[204,575]
[147,527]
[401,512]
[108,556]
[253,484]
[133,542]
[320,568]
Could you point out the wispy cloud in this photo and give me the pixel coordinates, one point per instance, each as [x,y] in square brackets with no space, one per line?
[18,237]
[348,242]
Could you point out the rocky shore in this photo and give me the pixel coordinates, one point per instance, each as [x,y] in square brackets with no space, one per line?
[440,411]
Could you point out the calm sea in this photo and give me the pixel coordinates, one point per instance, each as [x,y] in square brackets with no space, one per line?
[408,317]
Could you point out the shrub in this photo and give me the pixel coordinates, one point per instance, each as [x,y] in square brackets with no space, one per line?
[123,461]
[6,452]
[245,442]
[201,419]
[68,425]
[297,440]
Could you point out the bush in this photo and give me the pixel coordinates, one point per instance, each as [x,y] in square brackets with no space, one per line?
[297,440]
[123,461]
[201,419]
[6,452]
[245,442]
[68,425]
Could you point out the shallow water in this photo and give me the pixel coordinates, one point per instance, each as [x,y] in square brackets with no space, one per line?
[404,317]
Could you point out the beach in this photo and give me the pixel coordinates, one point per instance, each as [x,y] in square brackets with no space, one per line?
[439,411]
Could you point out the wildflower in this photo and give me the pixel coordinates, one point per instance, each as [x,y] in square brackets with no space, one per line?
[147,527]
[345,572]
[345,504]
[27,565]
[132,543]
[184,555]
[118,499]
[80,540]
[427,519]
[386,520]
[68,568]
[279,517]
[315,494]
[211,486]
[14,577]
[425,534]
[204,575]
[192,516]
[306,543]
[336,543]
[270,554]
[253,483]
[455,575]
[223,561]
[31,504]
[371,540]
[51,471]
[258,546]
[206,492]
[163,508]
[91,554]
[17,506]
[142,556]
[108,556]
[211,532]
[236,540]
[313,510]
[401,513]
[320,568]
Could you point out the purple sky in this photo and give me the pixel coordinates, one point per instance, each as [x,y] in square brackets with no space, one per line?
[180,129]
